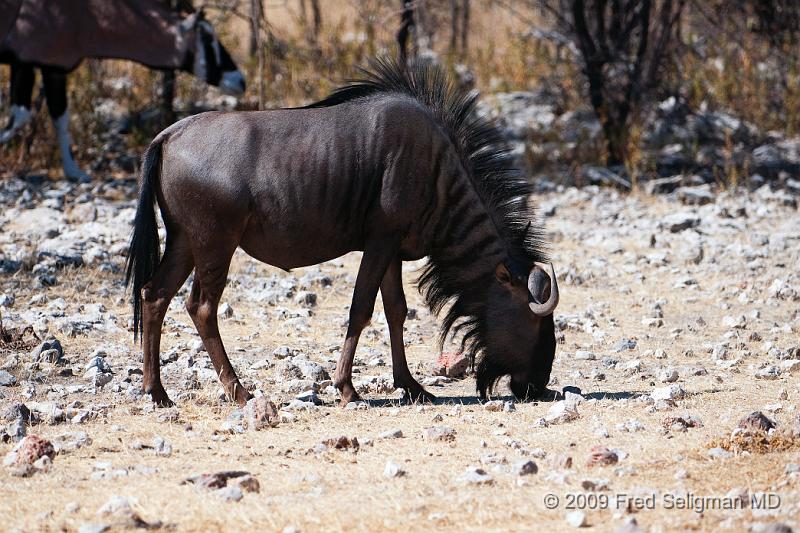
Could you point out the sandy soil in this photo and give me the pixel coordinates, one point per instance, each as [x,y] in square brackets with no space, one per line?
[616,259]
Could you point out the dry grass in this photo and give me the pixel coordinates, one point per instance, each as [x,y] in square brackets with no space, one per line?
[346,491]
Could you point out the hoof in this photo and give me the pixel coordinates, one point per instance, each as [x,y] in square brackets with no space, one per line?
[161,399]
[417,395]
[242,396]
[351,397]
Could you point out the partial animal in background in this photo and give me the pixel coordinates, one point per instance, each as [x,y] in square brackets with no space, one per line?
[398,165]
[57,36]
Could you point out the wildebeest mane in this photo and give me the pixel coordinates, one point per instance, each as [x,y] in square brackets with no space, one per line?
[494,174]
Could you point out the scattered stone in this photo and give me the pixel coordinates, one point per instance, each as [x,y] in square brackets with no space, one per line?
[525,468]
[391,434]
[341,443]
[584,355]
[576,519]
[602,456]
[7,379]
[769,372]
[162,447]
[670,392]
[756,421]
[681,423]
[230,493]
[392,469]
[439,433]
[719,453]
[494,406]
[225,310]
[306,299]
[624,344]
[217,480]
[561,412]
[668,376]
[475,476]
[29,450]
[677,222]
[260,413]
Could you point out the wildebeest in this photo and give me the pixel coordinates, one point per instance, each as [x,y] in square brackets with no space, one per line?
[398,165]
[57,36]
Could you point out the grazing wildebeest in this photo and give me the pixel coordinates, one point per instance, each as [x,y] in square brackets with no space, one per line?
[57,36]
[398,165]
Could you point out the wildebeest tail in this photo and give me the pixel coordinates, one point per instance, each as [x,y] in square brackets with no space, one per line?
[144,250]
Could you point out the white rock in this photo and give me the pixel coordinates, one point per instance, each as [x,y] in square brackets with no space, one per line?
[560,412]
[668,376]
[576,518]
[769,372]
[670,392]
[392,469]
[493,406]
[790,365]
[475,476]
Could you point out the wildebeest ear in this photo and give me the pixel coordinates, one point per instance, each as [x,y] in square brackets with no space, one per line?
[502,274]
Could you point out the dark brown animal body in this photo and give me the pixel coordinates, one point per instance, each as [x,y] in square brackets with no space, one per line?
[391,166]
[61,33]
[55,36]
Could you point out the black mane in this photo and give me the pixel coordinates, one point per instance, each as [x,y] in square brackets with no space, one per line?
[493,172]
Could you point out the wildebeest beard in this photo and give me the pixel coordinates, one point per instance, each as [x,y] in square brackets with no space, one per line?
[493,367]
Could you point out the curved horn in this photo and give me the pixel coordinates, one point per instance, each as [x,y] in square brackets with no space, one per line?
[549,306]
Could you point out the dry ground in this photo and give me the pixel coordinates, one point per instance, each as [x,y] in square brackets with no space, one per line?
[599,237]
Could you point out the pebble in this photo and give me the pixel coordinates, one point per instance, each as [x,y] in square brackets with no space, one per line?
[439,434]
[668,376]
[561,412]
[493,406]
[392,469]
[391,434]
[769,372]
[475,476]
[231,493]
[670,392]
[260,413]
[7,379]
[577,519]
[525,468]
[756,421]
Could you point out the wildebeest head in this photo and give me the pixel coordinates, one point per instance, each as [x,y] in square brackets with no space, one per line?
[208,59]
[519,336]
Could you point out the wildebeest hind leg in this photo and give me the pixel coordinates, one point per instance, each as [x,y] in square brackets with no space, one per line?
[156,296]
[211,273]
[395,308]
[377,256]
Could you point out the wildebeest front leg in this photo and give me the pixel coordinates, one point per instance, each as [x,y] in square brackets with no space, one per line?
[370,273]
[395,308]
[210,277]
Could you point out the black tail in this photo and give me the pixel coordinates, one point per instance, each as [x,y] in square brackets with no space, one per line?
[144,251]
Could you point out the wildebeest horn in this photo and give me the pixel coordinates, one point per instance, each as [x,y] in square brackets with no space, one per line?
[549,306]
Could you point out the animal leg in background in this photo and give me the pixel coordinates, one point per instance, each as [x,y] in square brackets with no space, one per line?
[395,308]
[377,255]
[55,90]
[173,270]
[22,78]
[212,261]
